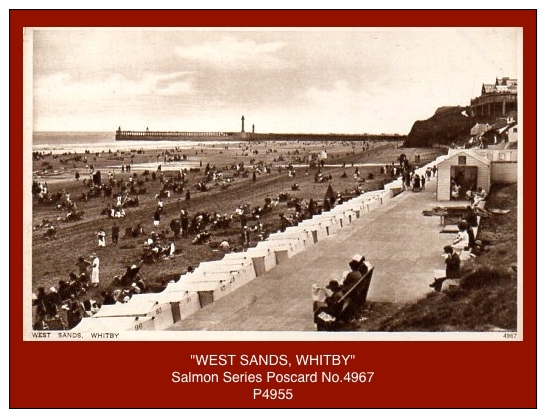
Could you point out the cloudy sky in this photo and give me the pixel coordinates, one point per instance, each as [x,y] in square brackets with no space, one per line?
[349,80]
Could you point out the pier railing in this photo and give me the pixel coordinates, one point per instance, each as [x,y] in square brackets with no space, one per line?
[162,134]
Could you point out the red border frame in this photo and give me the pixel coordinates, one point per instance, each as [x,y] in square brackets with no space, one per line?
[407,374]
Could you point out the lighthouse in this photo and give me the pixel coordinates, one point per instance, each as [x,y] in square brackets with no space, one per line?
[243,133]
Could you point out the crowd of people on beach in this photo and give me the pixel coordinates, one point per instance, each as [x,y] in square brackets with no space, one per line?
[74,302]
[65,304]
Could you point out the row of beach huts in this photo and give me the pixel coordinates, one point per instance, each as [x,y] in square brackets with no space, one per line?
[213,280]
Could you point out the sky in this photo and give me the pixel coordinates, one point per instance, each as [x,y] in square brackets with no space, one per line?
[290,80]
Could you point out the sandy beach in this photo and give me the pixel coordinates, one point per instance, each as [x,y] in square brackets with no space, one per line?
[347,168]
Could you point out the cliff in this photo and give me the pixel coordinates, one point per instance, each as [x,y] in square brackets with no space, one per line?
[448,125]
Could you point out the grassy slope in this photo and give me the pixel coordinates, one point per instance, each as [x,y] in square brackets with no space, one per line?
[487,297]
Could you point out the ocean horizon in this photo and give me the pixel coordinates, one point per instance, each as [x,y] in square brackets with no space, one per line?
[81,141]
[73,137]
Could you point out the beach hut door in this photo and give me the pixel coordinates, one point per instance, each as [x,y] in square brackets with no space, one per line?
[465,176]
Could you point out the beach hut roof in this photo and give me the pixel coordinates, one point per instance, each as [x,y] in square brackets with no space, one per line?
[468,152]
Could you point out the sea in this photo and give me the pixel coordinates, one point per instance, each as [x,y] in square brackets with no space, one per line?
[80,142]
[84,142]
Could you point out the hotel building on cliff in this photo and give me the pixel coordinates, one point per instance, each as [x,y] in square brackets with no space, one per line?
[498,100]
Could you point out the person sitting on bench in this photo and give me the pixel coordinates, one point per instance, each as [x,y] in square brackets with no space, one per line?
[358,269]
[462,240]
[336,295]
[453,268]
[330,304]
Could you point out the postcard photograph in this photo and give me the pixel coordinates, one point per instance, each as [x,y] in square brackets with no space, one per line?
[282,186]
[286,180]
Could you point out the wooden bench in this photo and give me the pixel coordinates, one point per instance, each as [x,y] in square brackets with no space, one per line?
[330,318]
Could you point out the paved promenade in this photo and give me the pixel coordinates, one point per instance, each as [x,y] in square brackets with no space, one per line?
[403,245]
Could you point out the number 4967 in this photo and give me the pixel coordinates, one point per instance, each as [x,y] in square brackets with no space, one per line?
[510,335]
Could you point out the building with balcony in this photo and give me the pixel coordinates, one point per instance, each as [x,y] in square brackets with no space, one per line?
[498,100]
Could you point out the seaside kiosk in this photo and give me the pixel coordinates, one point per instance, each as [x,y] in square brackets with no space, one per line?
[466,168]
